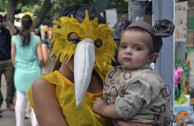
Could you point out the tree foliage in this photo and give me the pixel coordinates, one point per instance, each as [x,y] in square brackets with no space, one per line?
[3,5]
[46,10]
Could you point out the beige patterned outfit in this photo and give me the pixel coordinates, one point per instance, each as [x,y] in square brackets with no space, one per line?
[139,95]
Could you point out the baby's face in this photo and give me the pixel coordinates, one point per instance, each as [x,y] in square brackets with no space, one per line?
[134,49]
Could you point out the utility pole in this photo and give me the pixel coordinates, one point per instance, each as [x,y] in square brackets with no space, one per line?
[164,9]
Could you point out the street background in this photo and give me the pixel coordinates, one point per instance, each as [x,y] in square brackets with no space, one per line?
[8,117]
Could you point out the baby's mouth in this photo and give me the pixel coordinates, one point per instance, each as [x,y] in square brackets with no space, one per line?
[127,59]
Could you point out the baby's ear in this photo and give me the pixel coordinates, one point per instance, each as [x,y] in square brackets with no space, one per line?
[153,57]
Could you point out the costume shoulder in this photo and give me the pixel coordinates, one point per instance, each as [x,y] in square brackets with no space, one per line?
[57,78]
[50,77]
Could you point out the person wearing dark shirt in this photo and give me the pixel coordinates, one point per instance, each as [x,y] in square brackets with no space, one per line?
[6,67]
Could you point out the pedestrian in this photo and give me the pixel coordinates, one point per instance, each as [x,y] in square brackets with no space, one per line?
[27,58]
[36,31]
[6,67]
[46,51]
[133,91]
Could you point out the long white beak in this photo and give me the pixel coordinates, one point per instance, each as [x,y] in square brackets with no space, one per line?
[84,59]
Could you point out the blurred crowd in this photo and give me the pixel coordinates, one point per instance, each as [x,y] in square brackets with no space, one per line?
[10,64]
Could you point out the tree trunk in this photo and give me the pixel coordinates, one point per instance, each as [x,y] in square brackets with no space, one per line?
[45,8]
[11,6]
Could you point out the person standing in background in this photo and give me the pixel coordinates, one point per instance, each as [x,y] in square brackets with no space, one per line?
[27,58]
[37,32]
[46,52]
[6,66]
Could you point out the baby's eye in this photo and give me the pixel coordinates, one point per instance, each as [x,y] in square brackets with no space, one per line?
[137,48]
[123,46]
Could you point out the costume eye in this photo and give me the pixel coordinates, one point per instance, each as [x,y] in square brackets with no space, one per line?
[73,38]
[74,41]
[98,43]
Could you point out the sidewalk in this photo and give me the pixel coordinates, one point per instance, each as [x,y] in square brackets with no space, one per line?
[8,117]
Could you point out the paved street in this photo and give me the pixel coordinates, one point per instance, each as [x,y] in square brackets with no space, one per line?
[8,117]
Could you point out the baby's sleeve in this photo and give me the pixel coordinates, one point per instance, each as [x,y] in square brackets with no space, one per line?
[136,95]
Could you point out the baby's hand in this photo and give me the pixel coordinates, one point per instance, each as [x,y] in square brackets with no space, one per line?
[99,106]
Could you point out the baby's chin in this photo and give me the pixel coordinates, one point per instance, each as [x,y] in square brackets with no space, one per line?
[131,67]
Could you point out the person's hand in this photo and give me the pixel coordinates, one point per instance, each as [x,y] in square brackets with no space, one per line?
[99,106]
[123,123]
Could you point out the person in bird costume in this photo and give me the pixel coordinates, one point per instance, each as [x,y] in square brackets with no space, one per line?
[84,49]
[83,43]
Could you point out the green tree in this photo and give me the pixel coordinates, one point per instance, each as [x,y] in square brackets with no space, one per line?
[47,10]
[3,5]
[190,21]
[12,7]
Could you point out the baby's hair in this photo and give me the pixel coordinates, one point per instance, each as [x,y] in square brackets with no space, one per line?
[162,28]
[151,47]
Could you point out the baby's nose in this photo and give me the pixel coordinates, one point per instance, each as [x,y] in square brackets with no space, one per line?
[129,51]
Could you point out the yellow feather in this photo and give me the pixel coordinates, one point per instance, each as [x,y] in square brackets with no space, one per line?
[62,48]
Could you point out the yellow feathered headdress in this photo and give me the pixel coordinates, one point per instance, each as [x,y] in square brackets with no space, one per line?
[63,48]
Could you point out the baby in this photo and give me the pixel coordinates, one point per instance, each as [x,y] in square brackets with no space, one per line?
[133,91]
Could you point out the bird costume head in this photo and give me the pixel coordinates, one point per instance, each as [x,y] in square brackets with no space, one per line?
[93,50]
